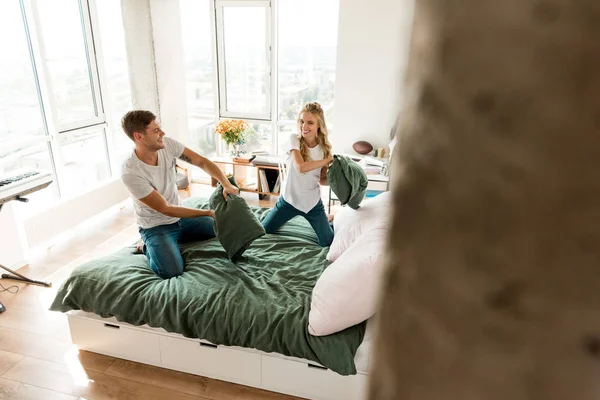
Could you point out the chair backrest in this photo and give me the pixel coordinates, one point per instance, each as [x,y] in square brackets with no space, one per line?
[281,165]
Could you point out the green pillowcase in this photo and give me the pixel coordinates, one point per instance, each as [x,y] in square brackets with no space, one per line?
[348,181]
[235,224]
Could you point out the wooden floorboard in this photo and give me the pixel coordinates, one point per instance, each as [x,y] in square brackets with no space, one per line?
[37,358]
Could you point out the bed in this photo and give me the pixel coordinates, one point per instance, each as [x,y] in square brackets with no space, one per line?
[244,322]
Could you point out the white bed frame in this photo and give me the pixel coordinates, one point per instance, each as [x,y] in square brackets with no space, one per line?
[269,371]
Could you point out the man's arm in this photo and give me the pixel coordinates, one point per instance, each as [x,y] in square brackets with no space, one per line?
[158,203]
[210,168]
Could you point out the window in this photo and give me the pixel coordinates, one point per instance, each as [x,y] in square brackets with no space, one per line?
[21,115]
[85,160]
[306,57]
[261,140]
[199,42]
[300,68]
[51,108]
[244,58]
[70,71]
[117,89]
[25,145]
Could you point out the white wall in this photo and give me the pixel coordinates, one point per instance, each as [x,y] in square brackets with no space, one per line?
[170,67]
[137,24]
[372,56]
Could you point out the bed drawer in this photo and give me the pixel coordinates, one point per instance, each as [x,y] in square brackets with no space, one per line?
[115,340]
[205,359]
[301,379]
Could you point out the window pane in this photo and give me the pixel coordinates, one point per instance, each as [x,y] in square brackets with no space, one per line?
[17,157]
[66,60]
[20,112]
[204,142]
[307,57]
[118,89]
[203,138]
[246,64]
[261,140]
[285,131]
[85,161]
[198,51]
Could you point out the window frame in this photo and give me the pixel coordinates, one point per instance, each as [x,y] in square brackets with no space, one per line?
[54,131]
[221,61]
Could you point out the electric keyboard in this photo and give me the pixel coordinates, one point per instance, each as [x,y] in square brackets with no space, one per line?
[21,183]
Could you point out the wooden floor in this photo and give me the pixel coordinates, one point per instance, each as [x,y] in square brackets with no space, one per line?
[37,359]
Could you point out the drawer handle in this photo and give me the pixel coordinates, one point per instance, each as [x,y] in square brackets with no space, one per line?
[112,326]
[212,346]
[316,367]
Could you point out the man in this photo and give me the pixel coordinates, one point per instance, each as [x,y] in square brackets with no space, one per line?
[149,175]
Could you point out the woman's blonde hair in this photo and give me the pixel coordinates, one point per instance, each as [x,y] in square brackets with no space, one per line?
[322,134]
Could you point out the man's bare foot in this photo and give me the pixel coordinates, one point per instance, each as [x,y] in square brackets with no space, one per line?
[330,217]
[139,249]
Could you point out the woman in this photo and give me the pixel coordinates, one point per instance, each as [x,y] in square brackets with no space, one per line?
[309,157]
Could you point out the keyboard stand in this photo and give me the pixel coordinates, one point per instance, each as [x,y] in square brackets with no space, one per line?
[15,275]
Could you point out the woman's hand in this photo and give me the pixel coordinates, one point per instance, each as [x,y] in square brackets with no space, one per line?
[211,213]
[329,159]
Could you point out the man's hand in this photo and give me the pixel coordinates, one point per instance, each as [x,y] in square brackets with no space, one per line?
[230,189]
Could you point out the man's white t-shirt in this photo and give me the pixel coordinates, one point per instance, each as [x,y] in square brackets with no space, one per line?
[302,190]
[141,179]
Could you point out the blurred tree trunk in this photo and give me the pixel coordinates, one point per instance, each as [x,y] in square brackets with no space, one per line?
[493,284]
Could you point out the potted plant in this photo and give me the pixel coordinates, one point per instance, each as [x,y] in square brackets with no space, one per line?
[234,133]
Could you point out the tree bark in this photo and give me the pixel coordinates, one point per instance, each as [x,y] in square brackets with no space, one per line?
[492,289]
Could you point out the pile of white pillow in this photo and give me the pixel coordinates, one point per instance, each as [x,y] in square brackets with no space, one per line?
[348,290]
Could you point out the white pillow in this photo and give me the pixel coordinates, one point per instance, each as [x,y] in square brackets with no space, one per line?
[347,291]
[349,224]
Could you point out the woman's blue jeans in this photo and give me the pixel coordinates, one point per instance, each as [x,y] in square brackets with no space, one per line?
[284,211]
[161,243]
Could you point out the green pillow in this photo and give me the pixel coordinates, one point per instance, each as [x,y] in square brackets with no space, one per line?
[348,181]
[235,224]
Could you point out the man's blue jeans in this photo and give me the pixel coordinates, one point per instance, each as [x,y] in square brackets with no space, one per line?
[284,211]
[160,243]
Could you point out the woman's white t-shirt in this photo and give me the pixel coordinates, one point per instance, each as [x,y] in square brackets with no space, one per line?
[302,190]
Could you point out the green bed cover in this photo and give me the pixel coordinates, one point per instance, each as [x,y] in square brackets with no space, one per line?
[262,301]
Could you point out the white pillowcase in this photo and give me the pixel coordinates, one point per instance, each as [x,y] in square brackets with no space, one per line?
[349,224]
[347,292]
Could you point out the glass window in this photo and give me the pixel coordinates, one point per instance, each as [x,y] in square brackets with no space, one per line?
[201,95]
[204,142]
[117,97]
[20,112]
[246,61]
[198,43]
[204,139]
[306,57]
[85,161]
[261,140]
[66,60]
[284,133]
[20,157]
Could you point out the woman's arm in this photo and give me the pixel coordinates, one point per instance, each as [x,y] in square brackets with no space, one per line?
[323,181]
[307,166]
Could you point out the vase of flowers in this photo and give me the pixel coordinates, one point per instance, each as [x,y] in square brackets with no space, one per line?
[234,133]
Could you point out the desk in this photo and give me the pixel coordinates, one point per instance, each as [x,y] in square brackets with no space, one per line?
[371,178]
[240,171]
